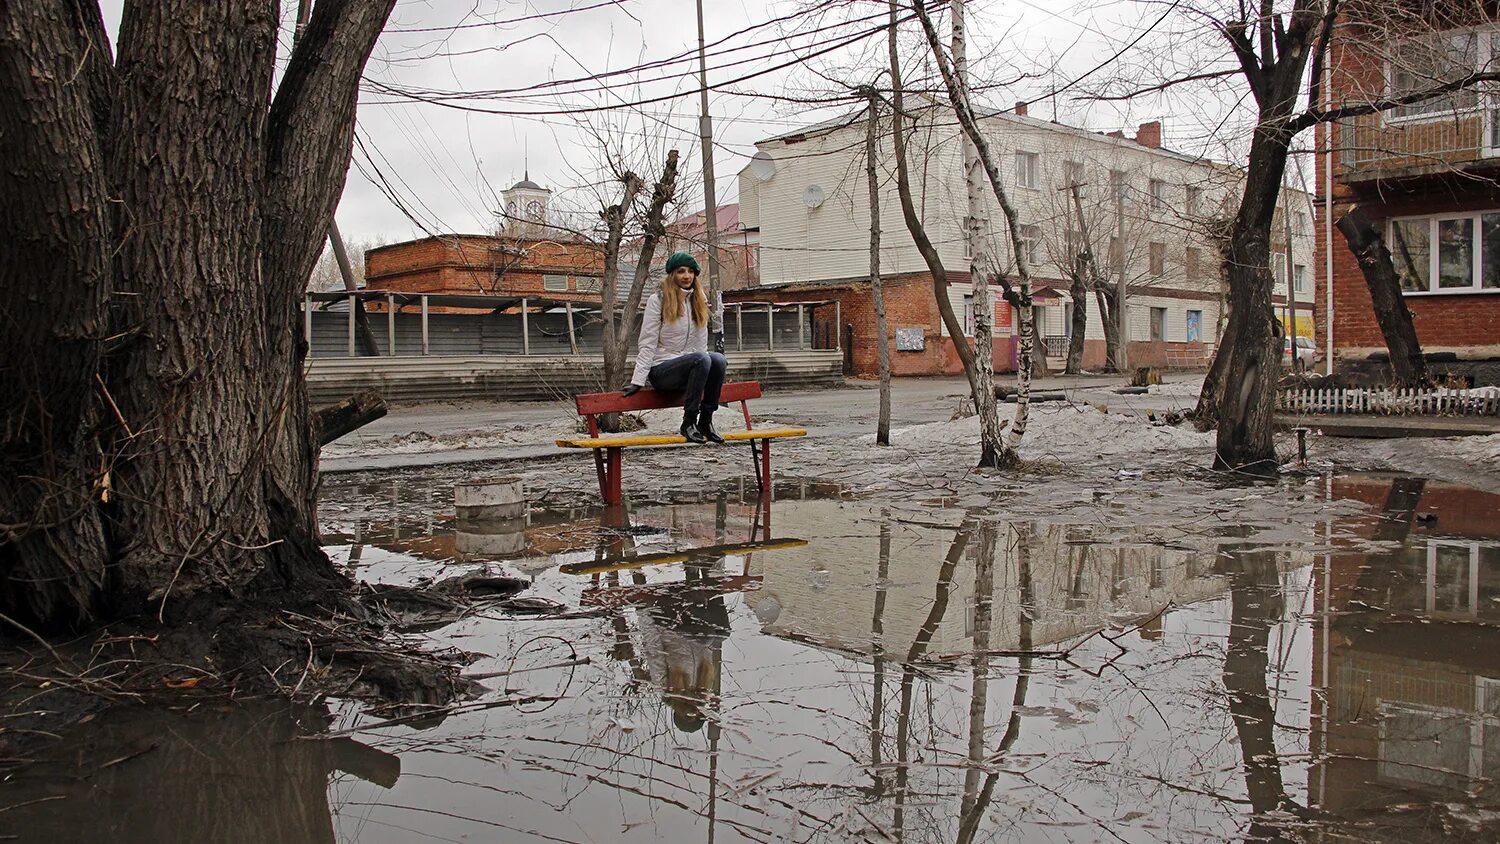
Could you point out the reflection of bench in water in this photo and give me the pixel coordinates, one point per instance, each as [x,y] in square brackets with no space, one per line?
[705,553]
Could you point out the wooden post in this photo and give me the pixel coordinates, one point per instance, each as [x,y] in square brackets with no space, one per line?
[426,348]
[838,325]
[353,305]
[801,326]
[770,328]
[572,340]
[525,329]
[739,327]
[307,321]
[390,325]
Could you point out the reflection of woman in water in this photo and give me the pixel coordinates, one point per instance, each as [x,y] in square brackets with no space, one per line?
[682,638]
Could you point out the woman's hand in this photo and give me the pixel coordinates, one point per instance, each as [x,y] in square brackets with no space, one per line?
[630,390]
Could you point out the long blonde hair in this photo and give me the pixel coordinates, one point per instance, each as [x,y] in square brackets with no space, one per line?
[671,301]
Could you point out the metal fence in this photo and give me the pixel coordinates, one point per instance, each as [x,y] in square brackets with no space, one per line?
[437,325]
[1482,401]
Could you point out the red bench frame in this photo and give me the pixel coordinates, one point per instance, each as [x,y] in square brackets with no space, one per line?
[608,464]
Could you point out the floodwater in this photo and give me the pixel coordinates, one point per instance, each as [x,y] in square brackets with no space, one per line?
[827,668]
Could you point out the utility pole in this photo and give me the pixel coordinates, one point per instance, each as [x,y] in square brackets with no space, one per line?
[710,201]
[367,345]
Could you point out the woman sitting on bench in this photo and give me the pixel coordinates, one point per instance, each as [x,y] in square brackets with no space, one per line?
[673,350]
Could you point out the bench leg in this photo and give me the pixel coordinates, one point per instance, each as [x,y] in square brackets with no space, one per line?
[609,482]
[765,466]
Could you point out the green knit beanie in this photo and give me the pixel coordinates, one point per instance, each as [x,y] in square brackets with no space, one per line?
[682,259]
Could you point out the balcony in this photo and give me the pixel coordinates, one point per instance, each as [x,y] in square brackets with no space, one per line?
[1377,147]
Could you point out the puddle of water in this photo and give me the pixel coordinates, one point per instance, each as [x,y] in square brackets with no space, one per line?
[831,669]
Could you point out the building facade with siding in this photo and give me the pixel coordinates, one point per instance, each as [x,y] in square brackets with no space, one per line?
[806,195]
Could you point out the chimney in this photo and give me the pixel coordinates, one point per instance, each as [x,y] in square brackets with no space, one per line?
[1021,107]
[1116,134]
[1149,134]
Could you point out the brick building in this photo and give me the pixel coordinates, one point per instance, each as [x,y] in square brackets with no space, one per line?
[804,194]
[526,258]
[1425,173]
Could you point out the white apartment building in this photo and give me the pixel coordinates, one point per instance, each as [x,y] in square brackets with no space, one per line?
[806,192]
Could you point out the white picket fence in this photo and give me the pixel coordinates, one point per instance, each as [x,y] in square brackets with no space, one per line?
[1482,401]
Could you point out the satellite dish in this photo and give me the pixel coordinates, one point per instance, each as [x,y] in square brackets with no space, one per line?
[762,165]
[812,197]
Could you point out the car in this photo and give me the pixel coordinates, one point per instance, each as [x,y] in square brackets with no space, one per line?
[1307,354]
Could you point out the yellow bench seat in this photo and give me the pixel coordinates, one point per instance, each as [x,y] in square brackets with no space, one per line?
[677,439]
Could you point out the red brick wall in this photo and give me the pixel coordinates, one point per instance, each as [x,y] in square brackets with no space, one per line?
[477,264]
[1468,323]
[1465,323]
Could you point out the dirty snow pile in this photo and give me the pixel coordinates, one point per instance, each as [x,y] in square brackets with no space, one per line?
[1062,433]
[1186,389]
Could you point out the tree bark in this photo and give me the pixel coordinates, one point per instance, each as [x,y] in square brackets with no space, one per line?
[1407,363]
[54,289]
[204,461]
[877,287]
[1078,291]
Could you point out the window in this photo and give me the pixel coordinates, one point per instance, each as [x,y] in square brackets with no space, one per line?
[1028,169]
[1451,253]
[1299,278]
[1192,261]
[1158,324]
[1420,64]
[1116,259]
[1158,252]
[968,316]
[1194,199]
[554,283]
[1030,237]
[1116,184]
[1300,222]
[1158,190]
[1195,326]
[588,283]
[1073,173]
[1278,271]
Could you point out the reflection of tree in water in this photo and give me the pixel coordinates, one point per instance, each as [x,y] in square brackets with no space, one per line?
[239,774]
[1256,606]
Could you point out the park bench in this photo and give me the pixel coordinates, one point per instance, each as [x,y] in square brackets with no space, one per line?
[609,451]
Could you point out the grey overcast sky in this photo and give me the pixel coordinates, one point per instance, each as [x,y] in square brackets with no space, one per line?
[447,164]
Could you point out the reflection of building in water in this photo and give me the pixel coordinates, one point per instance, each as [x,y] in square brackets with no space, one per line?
[1408,647]
[822,593]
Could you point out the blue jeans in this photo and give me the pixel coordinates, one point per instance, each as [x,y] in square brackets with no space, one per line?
[699,375]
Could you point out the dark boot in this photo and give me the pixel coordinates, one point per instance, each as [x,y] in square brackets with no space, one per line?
[690,431]
[706,427]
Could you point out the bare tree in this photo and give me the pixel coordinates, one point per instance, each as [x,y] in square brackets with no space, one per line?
[1018,296]
[1273,52]
[619,322]
[994,450]
[160,211]
[877,287]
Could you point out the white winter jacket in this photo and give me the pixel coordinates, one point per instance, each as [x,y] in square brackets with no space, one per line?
[662,341]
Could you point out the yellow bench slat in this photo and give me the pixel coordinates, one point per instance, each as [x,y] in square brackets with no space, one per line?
[678,439]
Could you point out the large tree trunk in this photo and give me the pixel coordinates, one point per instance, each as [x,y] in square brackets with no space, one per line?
[1079,292]
[1407,363]
[205,464]
[54,291]
[1246,395]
